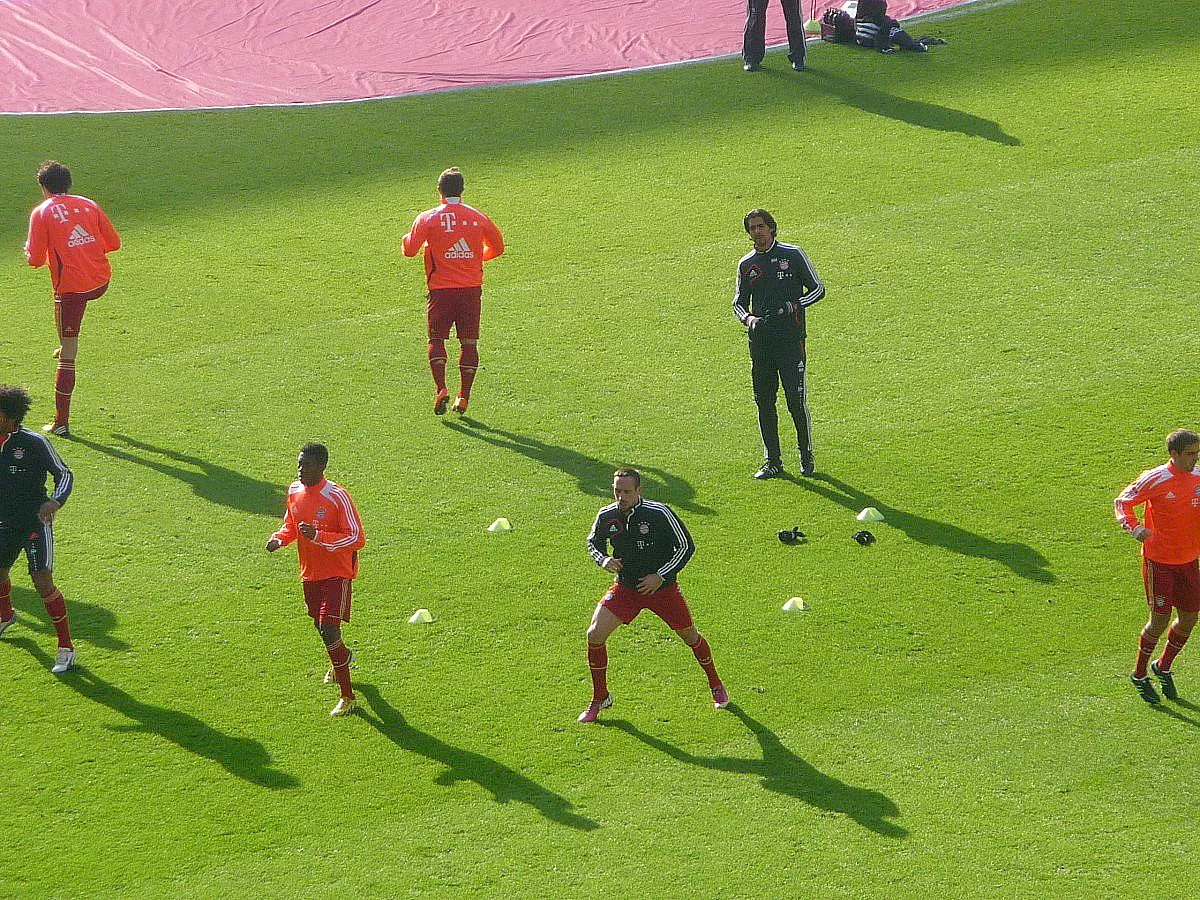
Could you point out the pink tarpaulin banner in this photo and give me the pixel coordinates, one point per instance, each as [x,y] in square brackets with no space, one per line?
[105,55]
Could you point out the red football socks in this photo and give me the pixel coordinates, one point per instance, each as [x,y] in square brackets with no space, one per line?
[6,610]
[339,657]
[437,363]
[598,662]
[56,609]
[1175,641]
[64,386]
[704,657]
[468,363]
[1146,647]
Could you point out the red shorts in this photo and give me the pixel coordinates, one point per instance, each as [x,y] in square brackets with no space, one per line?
[454,306]
[328,600]
[1167,586]
[69,310]
[667,603]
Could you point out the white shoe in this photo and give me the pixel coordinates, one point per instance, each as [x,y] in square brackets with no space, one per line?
[330,678]
[344,707]
[5,623]
[64,660]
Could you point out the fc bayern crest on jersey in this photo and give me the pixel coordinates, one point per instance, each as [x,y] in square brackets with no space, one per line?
[783,265]
[321,513]
[644,528]
[19,453]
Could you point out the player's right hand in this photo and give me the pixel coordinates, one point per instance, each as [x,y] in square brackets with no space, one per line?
[614,565]
[753,323]
[1141,533]
[274,544]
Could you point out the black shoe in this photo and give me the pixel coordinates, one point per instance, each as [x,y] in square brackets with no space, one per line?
[769,470]
[807,466]
[797,67]
[751,67]
[1166,680]
[1145,688]
[930,41]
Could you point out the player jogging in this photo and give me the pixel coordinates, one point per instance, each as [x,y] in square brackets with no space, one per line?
[650,545]
[27,516]
[73,237]
[322,518]
[1170,538]
[458,239]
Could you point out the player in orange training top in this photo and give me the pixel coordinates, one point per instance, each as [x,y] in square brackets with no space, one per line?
[73,236]
[1170,541]
[458,239]
[322,517]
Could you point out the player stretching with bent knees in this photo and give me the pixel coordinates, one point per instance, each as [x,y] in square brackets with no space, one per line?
[650,545]
[1170,540]
[322,518]
[27,516]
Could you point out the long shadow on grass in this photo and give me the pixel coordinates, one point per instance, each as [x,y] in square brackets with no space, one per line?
[594,476]
[914,112]
[783,772]
[466,765]
[210,481]
[1166,710]
[89,622]
[1022,559]
[244,758]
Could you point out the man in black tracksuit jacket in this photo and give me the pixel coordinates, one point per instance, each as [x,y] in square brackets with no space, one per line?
[775,284]
[27,515]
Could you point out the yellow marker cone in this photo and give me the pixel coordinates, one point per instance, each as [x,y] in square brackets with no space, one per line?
[420,617]
[870,514]
[796,604]
[812,26]
[500,526]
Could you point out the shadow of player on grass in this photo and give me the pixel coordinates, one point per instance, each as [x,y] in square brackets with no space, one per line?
[914,112]
[90,623]
[210,481]
[783,772]
[244,758]
[594,476]
[466,765]
[1022,559]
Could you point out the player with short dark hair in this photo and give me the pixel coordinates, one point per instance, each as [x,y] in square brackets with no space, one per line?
[322,517]
[1170,539]
[458,239]
[27,516]
[73,236]
[775,285]
[650,546]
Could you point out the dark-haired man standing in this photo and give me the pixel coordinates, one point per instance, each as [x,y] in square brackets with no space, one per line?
[322,518]
[650,545]
[73,236]
[775,285]
[458,239]
[27,516]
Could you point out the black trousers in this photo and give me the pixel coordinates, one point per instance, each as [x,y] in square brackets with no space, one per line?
[754,40]
[772,364]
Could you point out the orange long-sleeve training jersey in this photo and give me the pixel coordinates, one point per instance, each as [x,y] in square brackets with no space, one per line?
[458,239]
[1172,499]
[73,236]
[328,508]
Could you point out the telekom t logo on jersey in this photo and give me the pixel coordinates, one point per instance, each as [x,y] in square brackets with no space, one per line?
[448,220]
[59,211]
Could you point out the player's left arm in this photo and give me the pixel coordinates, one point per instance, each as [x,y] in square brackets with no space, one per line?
[813,287]
[64,481]
[682,542]
[38,241]
[412,242]
[493,240]
[345,534]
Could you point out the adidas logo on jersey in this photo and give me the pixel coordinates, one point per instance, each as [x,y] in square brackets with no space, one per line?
[79,237]
[460,250]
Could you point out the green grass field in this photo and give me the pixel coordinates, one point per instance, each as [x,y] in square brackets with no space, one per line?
[1006,228]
